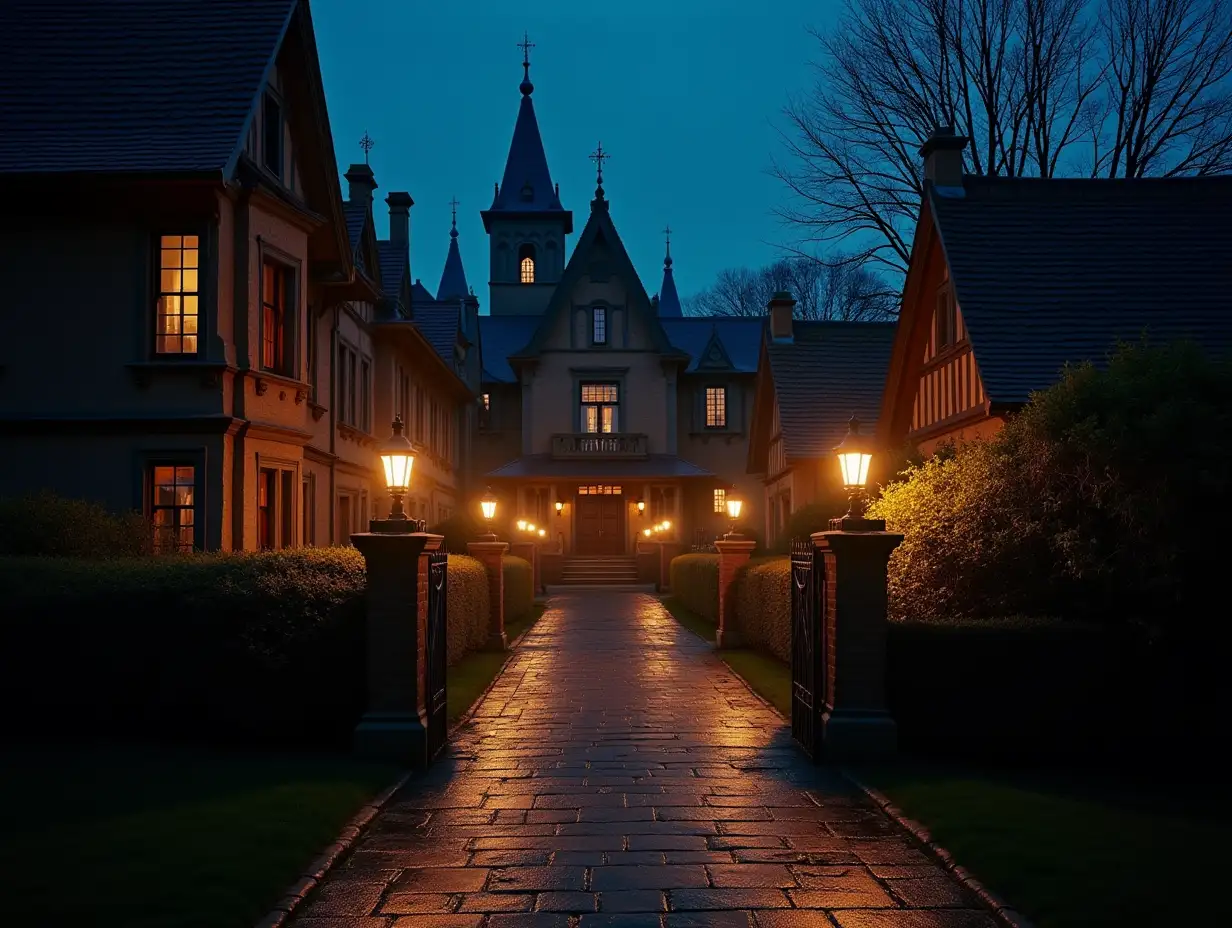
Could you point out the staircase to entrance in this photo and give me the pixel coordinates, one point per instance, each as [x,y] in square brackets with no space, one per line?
[599,570]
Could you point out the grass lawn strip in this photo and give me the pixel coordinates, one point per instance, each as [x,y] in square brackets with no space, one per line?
[1071,849]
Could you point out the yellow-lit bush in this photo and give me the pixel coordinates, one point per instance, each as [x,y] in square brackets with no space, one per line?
[467,606]
[695,582]
[519,587]
[763,605]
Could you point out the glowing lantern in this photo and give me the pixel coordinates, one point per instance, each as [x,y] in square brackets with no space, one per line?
[397,459]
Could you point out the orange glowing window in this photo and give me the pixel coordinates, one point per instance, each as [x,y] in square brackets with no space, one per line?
[178,294]
[172,508]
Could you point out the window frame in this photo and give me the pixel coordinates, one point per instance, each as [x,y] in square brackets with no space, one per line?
[289,269]
[720,500]
[149,464]
[527,252]
[722,392]
[599,406]
[288,477]
[157,292]
[599,328]
[945,325]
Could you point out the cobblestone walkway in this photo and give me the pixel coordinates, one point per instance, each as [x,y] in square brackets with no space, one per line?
[619,775]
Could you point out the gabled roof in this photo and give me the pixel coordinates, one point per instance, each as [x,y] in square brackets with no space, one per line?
[439,323]
[739,339]
[356,214]
[503,337]
[599,229]
[526,186]
[139,86]
[1051,271]
[453,277]
[829,372]
[420,293]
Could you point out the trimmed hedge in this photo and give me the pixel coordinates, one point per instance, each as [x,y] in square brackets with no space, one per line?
[519,587]
[46,525]
[264,647]
[763,605]
[467,606]
[457,531]
[695,582]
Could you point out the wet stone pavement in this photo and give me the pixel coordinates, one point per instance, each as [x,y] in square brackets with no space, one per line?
[618,774]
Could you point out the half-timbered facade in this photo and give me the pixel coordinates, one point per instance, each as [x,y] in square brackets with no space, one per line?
[1012,278]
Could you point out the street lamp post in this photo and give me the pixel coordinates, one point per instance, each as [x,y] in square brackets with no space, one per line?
[487,506]
[855,454]
[397,461]
[734,505]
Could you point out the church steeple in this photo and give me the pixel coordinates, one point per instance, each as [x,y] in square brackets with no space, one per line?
[526,223]
[526,186]
[453,278]
[669,300]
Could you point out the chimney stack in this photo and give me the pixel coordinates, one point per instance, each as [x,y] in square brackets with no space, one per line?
[782,305]
[400,204]
[361,183]
[942,153]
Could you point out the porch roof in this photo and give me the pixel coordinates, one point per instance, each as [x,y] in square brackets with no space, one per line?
[651,466]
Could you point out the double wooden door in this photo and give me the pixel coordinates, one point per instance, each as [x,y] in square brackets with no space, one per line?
[600,525]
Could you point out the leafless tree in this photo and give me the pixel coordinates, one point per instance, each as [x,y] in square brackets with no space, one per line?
[1110,88]
[822,291]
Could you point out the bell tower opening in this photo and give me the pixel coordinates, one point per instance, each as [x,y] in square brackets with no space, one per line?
[526,263]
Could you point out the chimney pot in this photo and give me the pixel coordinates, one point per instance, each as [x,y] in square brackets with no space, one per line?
[361,182]
[782,306]
[400,204]
[942,153]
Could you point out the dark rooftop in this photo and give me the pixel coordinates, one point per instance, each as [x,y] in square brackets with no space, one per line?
[653,465]
[140,86]
[830,372]
[1050,271]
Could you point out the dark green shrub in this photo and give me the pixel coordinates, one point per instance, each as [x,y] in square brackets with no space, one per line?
[519,587]
[264,646]
[467,606]
[46,525]
[458,530]
[763,605]
[805,521]
[695,582]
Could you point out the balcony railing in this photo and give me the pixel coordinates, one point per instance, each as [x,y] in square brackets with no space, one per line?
[595,445]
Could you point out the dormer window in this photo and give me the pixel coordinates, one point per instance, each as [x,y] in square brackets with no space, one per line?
[599,325]
[947,318]
[271,135]
[526,262]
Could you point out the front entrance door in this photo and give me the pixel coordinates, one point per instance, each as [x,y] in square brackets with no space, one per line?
[600,525]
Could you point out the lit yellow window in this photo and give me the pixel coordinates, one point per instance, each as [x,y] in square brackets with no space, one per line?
[528,270]
[720,501]
[172,502]
[179,263]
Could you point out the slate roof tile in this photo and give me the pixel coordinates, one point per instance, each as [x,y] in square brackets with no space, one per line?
[439,324]
[741,338]
[831,371]
[500,337]
[1050,271]
[393,266]
[356,213]
[143,86]
[653,465]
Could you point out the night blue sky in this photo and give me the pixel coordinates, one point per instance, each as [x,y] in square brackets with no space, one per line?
[685,94]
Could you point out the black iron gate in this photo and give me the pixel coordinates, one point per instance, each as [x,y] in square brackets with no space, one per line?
[808,645]
[437,654]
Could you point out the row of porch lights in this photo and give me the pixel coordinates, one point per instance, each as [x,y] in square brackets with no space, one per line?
[397,454]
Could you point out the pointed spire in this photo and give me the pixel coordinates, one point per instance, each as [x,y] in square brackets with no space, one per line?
[526,185]
[669,300]
[453,277]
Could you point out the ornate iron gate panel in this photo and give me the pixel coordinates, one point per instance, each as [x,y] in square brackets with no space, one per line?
[437,654]
[807,645]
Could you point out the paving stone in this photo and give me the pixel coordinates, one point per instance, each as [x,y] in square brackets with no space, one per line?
[661,877]
[617,775]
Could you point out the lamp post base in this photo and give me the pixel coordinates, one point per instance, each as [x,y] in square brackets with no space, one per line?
[396,526]
[393,737]
[851,523]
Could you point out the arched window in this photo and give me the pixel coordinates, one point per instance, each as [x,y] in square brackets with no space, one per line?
[526,262]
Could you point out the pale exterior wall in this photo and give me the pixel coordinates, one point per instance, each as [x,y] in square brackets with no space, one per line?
[985,428]
[723,452]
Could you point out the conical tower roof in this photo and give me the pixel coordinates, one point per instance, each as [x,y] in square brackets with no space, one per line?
[453,277]
[669,300]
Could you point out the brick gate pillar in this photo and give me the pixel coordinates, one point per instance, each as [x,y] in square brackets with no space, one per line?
[855,721]
[394,724]
[490,554]
[734,553]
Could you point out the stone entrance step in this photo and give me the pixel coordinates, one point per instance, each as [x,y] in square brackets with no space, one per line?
[598,570]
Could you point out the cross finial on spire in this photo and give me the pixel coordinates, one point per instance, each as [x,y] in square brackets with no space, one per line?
[453,205]
[667,232]
[526,45]
[367,145]
[598,156]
